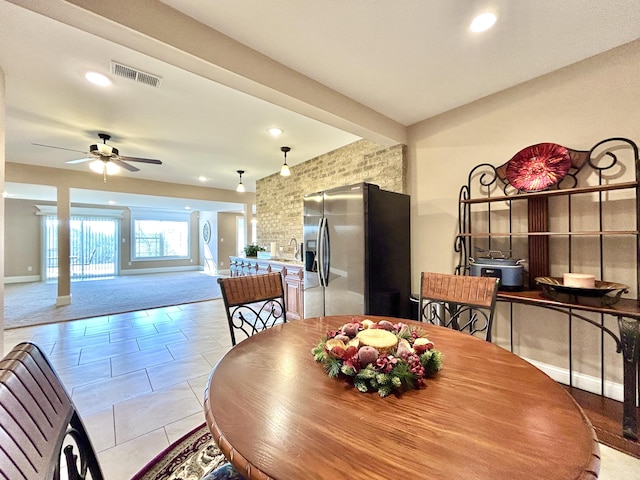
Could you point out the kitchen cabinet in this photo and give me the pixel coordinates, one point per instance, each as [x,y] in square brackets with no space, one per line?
[580,224]
[294,291]
[292,279]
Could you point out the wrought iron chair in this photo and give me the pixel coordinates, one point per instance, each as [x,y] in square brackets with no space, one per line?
[464,303]
[253,302]
[39,423]
[41,433]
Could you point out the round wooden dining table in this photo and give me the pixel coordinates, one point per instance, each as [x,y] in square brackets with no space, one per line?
[487,414]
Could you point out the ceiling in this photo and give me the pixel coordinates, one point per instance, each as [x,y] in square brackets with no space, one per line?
[362,68]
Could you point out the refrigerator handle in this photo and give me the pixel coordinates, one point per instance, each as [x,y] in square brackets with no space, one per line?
[326,252]
[320,251]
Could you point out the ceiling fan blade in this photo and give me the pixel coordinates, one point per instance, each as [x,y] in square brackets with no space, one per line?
[59,148]
[81,160]
[143,160]
[124,165]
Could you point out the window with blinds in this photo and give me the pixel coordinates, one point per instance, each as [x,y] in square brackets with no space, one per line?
[159,235]
[93,248]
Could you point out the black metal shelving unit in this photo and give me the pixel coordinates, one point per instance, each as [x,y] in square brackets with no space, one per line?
[493,215]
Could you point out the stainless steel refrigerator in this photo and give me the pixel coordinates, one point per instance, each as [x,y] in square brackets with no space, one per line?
[357,252]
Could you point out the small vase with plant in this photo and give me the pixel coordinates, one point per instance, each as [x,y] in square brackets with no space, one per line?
[252,249]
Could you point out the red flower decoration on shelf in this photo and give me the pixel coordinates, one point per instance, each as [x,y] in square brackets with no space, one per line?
[538,167]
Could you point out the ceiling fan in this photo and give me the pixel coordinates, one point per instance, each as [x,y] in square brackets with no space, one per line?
[106,158]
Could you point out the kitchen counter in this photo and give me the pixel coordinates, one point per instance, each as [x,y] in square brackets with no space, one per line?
[292,278]
[281,261]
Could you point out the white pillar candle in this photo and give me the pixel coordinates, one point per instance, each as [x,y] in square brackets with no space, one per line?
[274,249]
[579,280]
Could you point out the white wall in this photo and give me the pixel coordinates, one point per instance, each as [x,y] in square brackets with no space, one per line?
[2,161]
[576,107]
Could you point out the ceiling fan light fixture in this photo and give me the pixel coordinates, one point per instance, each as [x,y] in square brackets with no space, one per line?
[106,159]
[285,171]
[102,167]
[112,168]
[240,188]
[103,149]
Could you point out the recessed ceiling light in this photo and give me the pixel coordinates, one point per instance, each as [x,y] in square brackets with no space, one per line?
[275,131]
[111,202]
[202,178]
[187,207]
[98,79]
[483,22]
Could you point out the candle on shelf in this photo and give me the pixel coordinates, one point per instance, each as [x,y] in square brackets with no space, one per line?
[579,280]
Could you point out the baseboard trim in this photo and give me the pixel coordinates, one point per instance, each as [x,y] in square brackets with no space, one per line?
[63,300]
[137,271]
[22,279]
[141,271]
[584,382]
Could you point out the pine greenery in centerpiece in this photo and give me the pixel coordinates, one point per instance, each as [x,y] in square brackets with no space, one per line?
[382,357]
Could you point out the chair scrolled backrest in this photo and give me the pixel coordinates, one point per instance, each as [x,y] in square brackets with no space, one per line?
[253,302]
[461,302]
[38,418]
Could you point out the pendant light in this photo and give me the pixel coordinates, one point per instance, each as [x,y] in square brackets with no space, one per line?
[284,171]
[240,187]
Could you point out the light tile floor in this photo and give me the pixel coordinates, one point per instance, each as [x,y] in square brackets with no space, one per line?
[138,380]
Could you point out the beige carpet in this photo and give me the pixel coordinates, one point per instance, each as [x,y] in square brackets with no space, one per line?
[35,303]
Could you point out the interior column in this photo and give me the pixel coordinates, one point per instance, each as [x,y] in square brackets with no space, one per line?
[64,247]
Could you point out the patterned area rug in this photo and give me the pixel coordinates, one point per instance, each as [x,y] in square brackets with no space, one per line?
[190,458]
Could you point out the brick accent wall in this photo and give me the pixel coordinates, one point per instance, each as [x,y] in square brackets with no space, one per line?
[279,207]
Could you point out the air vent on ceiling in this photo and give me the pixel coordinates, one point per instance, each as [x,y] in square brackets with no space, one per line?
[135,74]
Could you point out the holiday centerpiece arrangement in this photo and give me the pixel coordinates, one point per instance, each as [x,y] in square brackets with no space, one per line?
[379,356]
